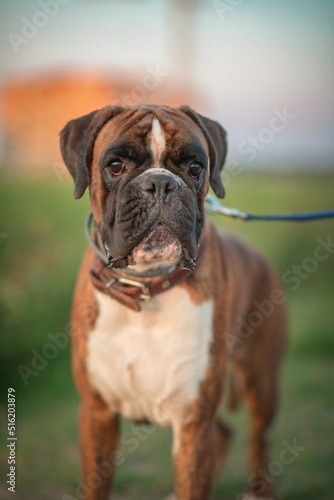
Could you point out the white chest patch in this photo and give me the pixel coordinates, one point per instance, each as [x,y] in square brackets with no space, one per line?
[158,141]
[150,364]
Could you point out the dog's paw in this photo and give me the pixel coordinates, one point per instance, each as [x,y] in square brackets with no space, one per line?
[171,496]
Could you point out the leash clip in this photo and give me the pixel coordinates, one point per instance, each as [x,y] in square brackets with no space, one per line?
[145,291]
[213,206]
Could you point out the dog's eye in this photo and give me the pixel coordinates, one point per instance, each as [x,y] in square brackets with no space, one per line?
[116,167]
[194,170]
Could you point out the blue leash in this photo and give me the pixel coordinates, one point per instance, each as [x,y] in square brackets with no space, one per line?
[213,206]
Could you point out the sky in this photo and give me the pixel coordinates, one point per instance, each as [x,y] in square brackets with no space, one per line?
[255,61]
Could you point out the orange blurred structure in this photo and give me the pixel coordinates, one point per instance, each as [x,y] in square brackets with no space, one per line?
[35,108]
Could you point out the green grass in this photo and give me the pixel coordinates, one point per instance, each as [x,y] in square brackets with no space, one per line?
[40,257]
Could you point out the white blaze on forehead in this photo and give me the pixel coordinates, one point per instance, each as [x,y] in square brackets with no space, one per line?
[158,141]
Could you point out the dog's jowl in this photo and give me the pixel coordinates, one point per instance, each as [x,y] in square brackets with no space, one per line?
[160,299]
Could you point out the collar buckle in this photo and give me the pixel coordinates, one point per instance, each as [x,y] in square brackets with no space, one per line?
[145,291]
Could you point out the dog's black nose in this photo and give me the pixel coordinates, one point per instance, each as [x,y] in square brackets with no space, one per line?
[159,186]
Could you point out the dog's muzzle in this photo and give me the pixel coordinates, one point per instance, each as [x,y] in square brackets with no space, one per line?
[160,243]
[155,221]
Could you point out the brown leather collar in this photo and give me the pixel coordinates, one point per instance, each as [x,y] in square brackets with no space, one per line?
[130,291]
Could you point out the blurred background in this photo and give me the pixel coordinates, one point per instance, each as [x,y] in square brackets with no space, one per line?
[265,71]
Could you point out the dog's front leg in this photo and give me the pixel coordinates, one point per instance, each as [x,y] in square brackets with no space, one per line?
[98,440]
[194,458]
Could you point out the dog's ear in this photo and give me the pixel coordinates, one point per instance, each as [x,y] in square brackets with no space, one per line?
[216,137]
[77,140]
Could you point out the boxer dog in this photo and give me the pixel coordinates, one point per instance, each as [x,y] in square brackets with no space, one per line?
[171,302]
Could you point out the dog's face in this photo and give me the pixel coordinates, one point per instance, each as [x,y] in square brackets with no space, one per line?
[149,170]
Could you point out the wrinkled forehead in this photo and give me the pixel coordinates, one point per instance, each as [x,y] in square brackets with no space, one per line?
[144,131]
